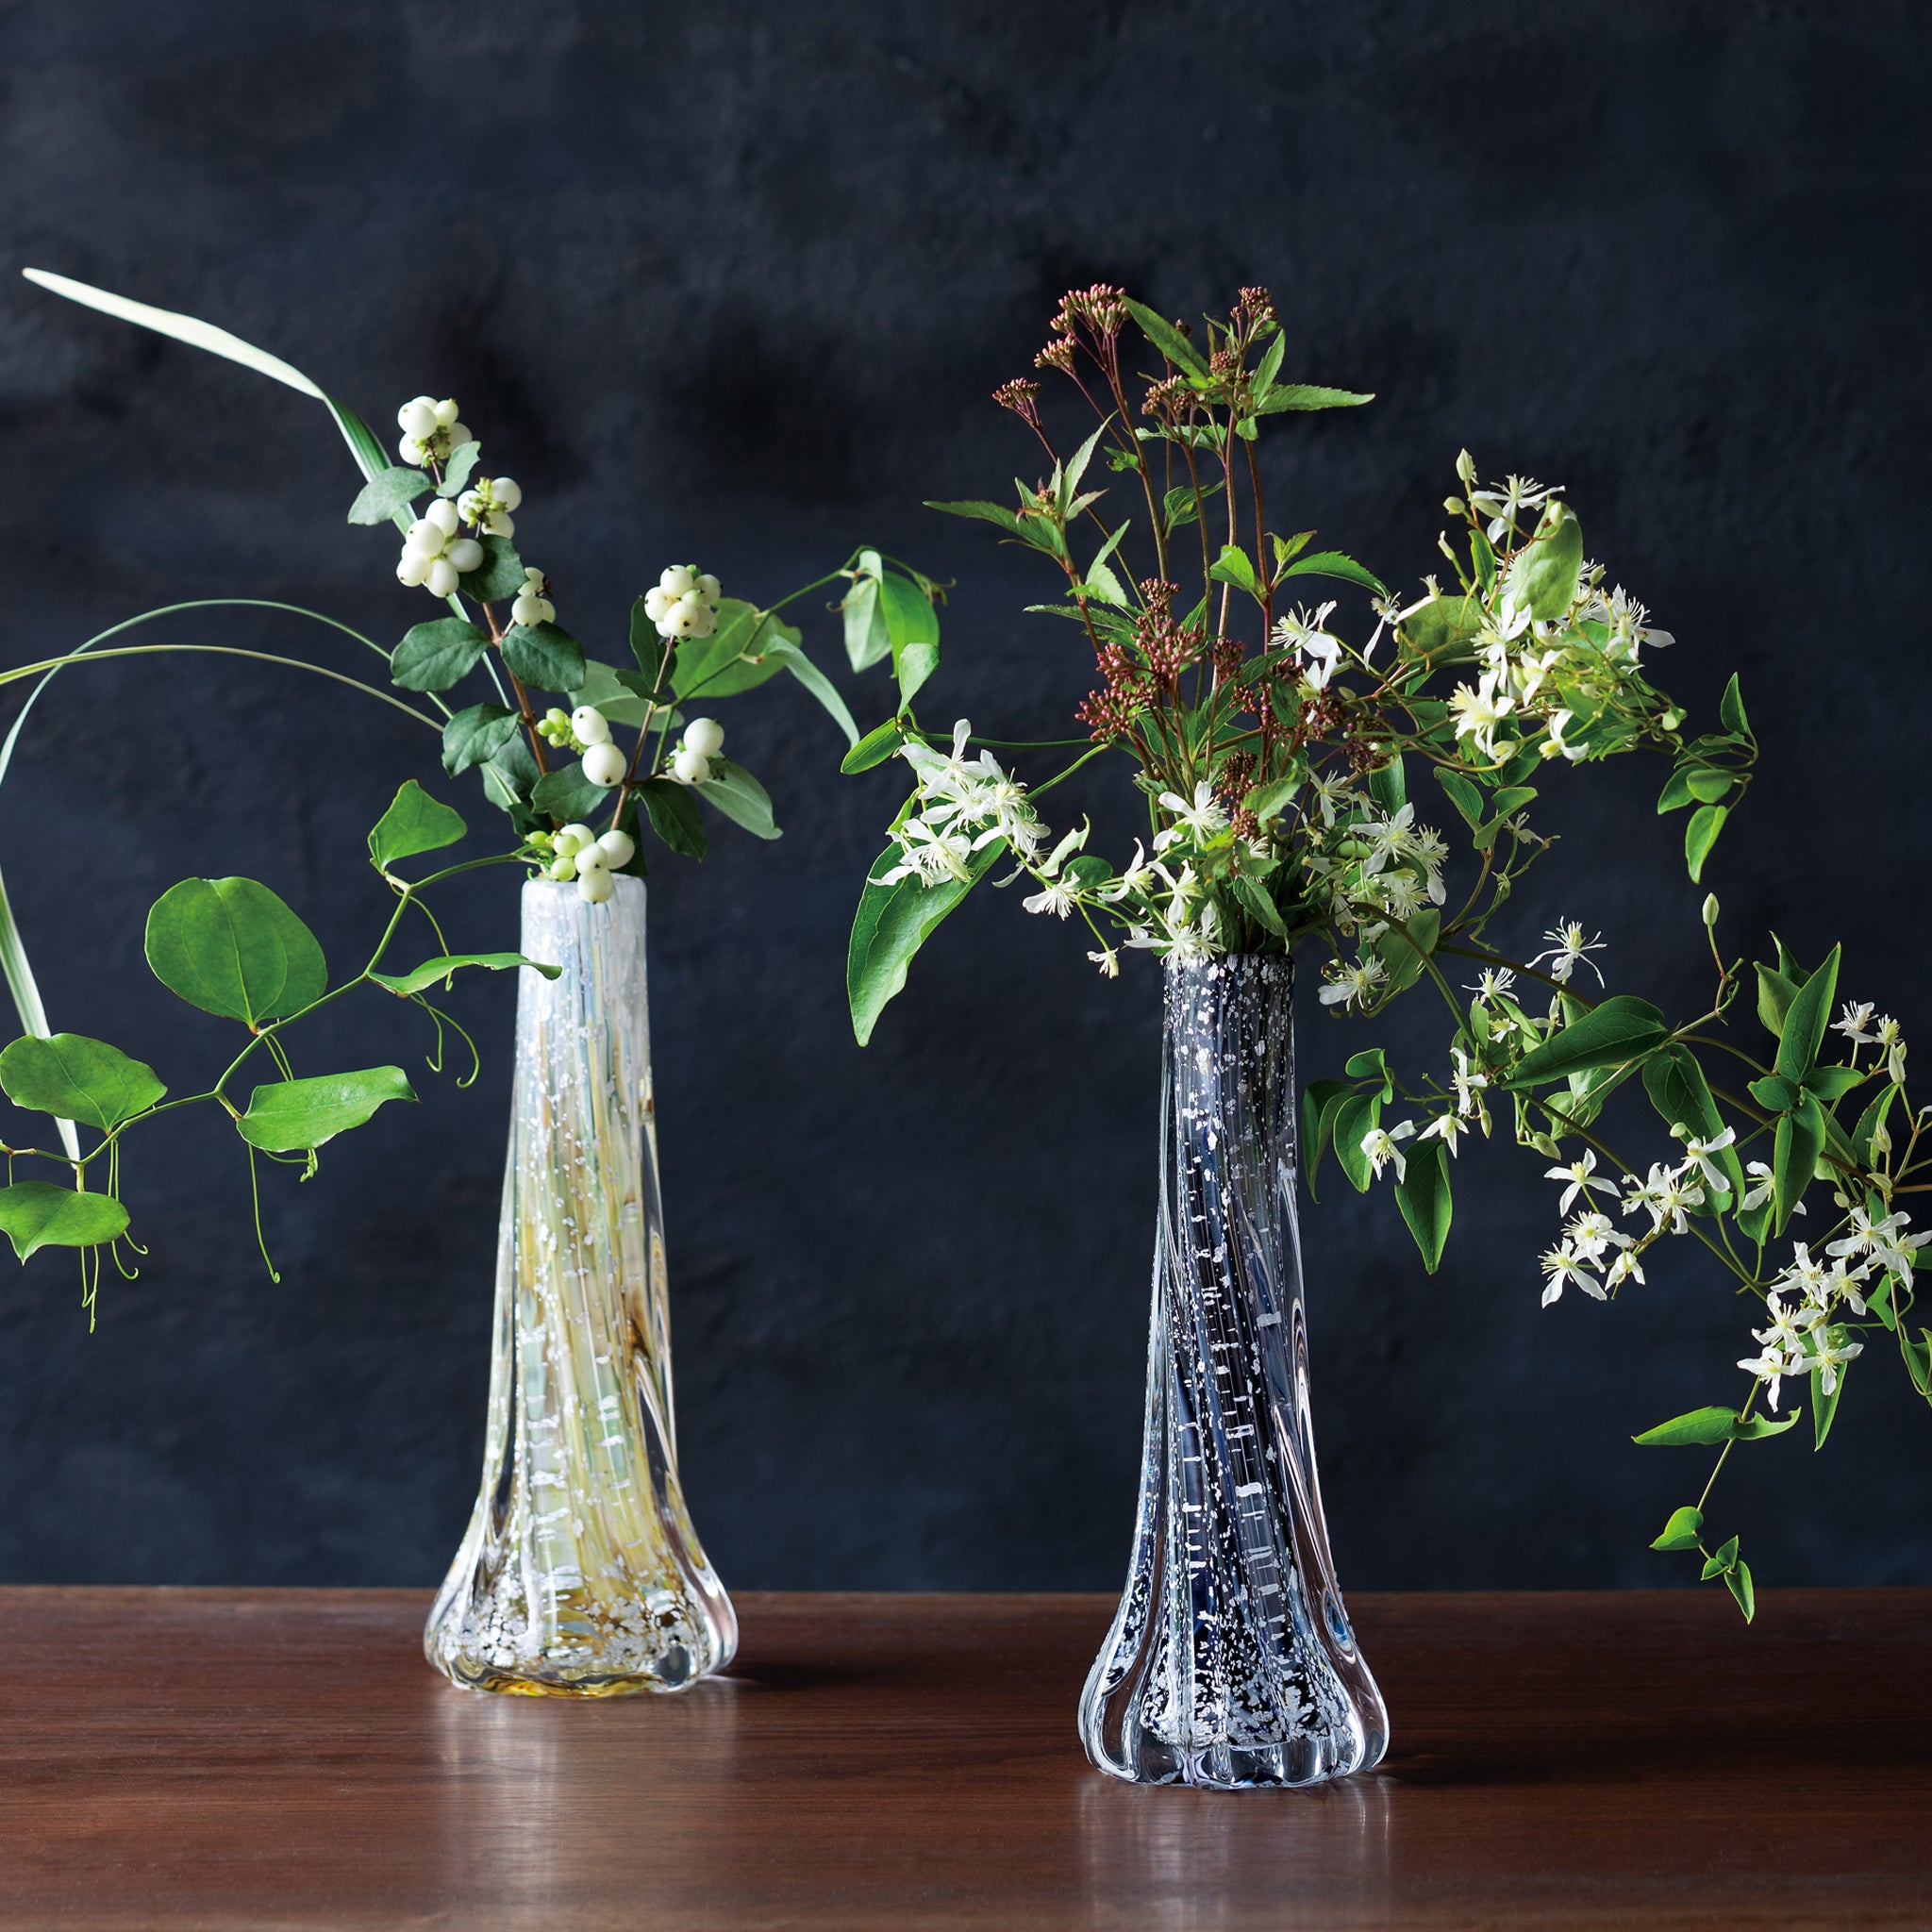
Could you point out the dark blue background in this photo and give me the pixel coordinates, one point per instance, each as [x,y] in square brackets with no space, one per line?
[733,284]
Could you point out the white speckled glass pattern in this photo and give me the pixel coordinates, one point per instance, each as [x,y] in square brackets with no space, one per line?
[1231,1661]
[581,1574]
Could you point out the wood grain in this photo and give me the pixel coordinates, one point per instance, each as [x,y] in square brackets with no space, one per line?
[285,1758]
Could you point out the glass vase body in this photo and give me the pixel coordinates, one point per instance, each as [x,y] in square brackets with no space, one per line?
[1231,1660]
[581,1574]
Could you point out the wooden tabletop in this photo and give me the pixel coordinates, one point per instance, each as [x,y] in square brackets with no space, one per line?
[285,1758]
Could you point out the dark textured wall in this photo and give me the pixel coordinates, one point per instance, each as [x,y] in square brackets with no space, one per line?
[732,283]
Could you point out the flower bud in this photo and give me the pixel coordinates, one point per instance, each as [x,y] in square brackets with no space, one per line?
[596,886]
[589,724]
[705,736]
[417,419]
[1453,504]
[1465,468]
[618,849]
[1710,909]
[604,765]
[690,767]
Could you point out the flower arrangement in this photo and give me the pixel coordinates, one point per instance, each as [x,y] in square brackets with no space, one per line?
[1291,766]
[581,781]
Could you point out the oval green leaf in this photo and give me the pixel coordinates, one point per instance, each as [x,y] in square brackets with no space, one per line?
[297,1115]
[414,823]
[75,1078]
[38,1214]
[232,948]
[1621,1028]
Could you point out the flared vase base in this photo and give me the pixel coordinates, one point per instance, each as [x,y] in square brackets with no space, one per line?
[466,1675]
[1297,1765]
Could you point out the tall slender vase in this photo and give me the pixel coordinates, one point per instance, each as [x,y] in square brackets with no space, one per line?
[1231,1660]
[581,1575]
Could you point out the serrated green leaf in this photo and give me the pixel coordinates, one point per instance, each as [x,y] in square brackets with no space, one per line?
[385,493]
[1232,567]
[544,656]
[1335,563]
[294,1116]
[38,1214]
[413,823]
[433,656]
[1167,338]
[75,1078]
[232,948]
[1311,395]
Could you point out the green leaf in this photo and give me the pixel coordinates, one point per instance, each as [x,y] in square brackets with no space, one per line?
[296,1115]
[866,641]
[1334,563]
[1681,1531]
[1678,1090]
[674,815]
[1310,395]
[455,473]
[1404,953]
[1463,795]
[385,493]
[1543,574]
[881,743]
[734,791]
[1255,901]
[1423,1194]
[891,923]
[1805,1020]
[1869,1123]
[1320,1100]
[1167,338]
[1700,835]
[566,795]
[38,1214]
[1353,1120]
[646,647]
[1721,1560]
[473,736]
[1441,623]
[1372,1063]
[1775,1093]
[421,978]
[544,656]
[499,576]
[1775,993]
[794,659]
[913,628]
[733,659]
[1737,1581]
[232,948]
[1232,567]
[515,764]
[433,656]
[1676,793]
[1824,1407]
[623,697]
[1706,785]
[1794,1157]
[1621,1028]
[1730,709]
[75,1078]
[414,823]
[1702,1426]
[1831,1084]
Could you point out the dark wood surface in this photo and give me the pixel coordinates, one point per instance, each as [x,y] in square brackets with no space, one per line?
[285,1758]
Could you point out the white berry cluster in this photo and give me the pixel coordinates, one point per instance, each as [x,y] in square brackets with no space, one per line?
[604,765]
[578,853]
[531,605]
[435,555]
[684,603]
[486,505]
[704,739]
[430,431]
